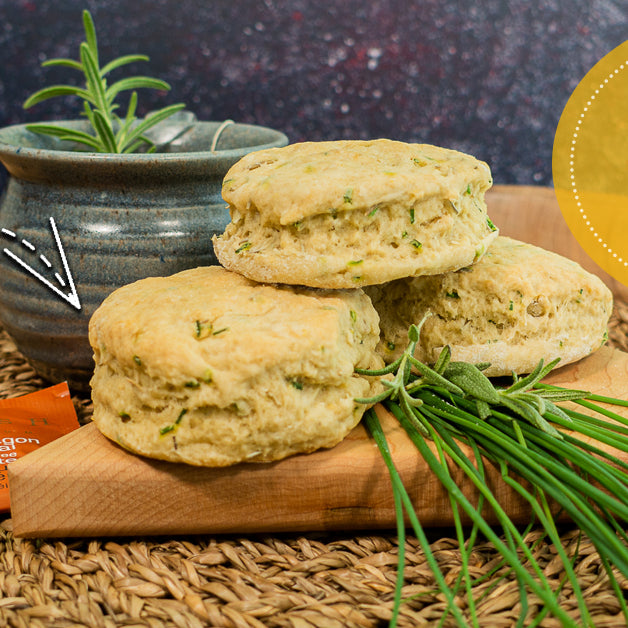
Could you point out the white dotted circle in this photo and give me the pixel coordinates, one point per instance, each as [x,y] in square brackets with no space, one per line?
[572,156]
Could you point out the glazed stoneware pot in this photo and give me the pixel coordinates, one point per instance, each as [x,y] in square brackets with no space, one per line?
[75,225]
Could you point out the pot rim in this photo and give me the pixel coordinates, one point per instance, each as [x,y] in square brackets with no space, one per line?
[276,139]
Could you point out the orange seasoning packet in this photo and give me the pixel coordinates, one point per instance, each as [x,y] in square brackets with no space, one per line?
[30,421]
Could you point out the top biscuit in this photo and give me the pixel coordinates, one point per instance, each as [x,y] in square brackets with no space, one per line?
[352,213]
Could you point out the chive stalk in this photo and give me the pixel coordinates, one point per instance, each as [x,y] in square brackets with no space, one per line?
[529,437]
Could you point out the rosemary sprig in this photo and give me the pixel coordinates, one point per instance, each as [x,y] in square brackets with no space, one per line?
[112,134]
[467,381]
[522,431]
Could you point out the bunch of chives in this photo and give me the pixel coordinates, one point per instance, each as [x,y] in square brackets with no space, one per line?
[536,445]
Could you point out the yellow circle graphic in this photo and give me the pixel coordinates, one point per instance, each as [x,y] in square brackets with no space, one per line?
[590,163]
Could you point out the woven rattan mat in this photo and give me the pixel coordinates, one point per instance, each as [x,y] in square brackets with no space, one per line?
[302,581]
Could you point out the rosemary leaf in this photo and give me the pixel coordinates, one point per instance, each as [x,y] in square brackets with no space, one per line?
[111,135]
[120,61]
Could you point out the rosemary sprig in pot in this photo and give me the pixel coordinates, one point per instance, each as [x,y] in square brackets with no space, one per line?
[454,414]
[112,134]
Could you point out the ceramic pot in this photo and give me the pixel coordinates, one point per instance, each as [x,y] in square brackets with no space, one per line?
[99,221]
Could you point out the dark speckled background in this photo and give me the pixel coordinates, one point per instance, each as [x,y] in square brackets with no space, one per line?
[490,78]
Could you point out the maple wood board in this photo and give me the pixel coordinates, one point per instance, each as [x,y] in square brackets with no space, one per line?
[85,485]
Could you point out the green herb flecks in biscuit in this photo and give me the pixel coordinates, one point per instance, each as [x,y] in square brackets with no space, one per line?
[354,200]
[517,305]
[230,370]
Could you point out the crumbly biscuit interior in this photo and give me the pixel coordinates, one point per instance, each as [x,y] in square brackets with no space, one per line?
[275,416]
[359,248]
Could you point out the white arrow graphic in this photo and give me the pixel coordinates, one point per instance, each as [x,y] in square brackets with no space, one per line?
[72,297]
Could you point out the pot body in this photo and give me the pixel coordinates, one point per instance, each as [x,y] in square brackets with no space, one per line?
[118,218]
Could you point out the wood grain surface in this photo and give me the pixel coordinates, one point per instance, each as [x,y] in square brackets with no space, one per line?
[532,214]
[85,485]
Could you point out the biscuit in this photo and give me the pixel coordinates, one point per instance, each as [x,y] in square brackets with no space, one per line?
[353,213]
[209,368]
[518,304]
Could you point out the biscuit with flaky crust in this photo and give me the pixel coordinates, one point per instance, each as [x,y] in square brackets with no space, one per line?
[517,305]
[209,368]
[354,213]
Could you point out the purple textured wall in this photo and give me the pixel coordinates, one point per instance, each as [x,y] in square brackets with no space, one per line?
[490,78]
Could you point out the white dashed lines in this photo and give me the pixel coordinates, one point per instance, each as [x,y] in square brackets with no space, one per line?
[72,297]
[572,158]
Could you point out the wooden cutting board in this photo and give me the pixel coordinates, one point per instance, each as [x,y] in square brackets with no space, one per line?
[85,485]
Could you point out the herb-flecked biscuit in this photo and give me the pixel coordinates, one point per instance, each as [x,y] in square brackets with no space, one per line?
[209,368]
[517,305]
[353,213]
